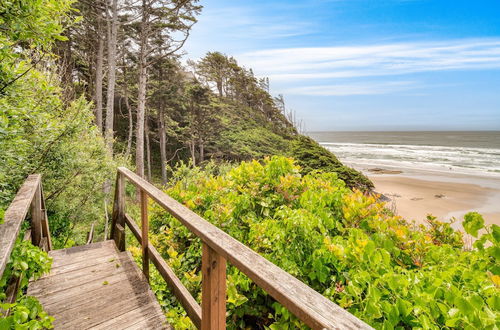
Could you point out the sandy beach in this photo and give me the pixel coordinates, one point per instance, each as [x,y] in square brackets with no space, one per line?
[416,193]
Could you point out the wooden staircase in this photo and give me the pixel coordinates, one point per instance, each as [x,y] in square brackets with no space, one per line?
[99,285]
[96,286]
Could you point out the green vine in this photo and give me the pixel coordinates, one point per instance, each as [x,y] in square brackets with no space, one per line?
[27,262]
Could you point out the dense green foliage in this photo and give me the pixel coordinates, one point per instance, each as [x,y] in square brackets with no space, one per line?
[28,25]
[26,313]
[246,134]
[342,243]
[40,132]
[27,262]
[310,156]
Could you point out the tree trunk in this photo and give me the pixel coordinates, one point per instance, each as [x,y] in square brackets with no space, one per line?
[141,99]
[141,106]
[99,76]
[201,148]
[148,148]
[130,123]
[219,87]
[127,103]
[162,136]
[113,30]
[192,150]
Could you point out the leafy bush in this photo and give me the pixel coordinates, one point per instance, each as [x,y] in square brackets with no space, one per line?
[310,156]
[27,262]
[40,132]
[246,134]
[347,246]
[26,313]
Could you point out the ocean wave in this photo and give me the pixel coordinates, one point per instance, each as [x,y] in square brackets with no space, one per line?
[461,159]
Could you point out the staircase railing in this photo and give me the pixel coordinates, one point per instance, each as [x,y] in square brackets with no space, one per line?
[311,307]
[29,199]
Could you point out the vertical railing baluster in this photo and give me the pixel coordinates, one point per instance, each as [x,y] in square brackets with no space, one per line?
[213,300]
[145,230]
[118,225]
[36,218]
[45,219]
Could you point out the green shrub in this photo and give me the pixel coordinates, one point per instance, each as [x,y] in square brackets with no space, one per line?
[26,262]
[310,156]
[345,245]
[41,134]
[40,130]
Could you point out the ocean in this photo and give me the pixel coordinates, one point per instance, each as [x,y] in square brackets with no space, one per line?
[465,152]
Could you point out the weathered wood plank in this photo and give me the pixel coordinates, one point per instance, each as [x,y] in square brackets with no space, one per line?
[83,260]
[114,292]
[83,248]
[45,220]
[67,280]
[98,290]
[63,268]
[120,236]
[52,298]
[14,216]
[111,308]
[80,253]
[97,313]
[135,319]
[36,218]
[308,305]
[118,210]
[145,230]
[187,301]
[90,235]
[150,324]
[213,303]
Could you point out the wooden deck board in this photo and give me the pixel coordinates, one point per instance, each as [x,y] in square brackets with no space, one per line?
[97,287]
[129,319]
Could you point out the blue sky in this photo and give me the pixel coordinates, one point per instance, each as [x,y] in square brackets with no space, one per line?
[367,64]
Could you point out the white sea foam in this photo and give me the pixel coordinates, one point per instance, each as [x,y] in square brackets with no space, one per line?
[467,160]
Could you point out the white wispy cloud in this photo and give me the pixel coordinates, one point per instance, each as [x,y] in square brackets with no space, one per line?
[296,64]
[236,28]
[362,88]
[247,22]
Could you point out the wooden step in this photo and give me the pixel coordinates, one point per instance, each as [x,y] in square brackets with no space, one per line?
[97,287]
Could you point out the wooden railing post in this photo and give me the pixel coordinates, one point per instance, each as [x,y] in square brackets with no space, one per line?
[118,221]
[29,197]
[36,217]
[213,299]
[45,219]
[145,230]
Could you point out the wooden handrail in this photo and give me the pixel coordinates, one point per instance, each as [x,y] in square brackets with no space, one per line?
[193,309]
[311,307]
[29,197]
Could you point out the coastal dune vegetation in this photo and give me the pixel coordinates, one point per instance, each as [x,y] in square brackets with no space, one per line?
[345,244]
[87,86]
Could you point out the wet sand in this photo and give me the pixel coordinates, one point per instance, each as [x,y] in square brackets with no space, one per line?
[414,198]
[415,193]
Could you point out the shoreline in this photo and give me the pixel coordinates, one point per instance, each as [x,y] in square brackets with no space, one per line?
[414,193]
